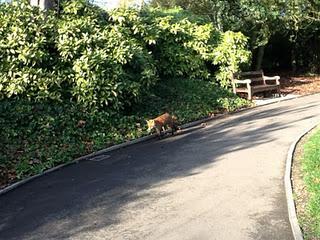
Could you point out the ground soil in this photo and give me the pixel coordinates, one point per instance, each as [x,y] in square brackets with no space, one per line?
[300,85]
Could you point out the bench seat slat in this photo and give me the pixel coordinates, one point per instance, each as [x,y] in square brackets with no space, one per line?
[257,88]
[242,90]
[264,87]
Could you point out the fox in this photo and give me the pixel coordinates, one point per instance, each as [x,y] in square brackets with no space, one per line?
[159,124]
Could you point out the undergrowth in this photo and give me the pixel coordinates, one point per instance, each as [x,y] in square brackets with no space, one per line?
[38,136]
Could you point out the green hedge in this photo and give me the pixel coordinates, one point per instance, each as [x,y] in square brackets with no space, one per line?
[98,58]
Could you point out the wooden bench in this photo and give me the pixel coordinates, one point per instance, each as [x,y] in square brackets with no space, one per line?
[253,82]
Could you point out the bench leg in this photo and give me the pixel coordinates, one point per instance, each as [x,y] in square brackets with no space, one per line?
[278,92]
[234,88]
[249,94]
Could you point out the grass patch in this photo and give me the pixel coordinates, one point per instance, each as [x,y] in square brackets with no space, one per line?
[311,176]
[38,136]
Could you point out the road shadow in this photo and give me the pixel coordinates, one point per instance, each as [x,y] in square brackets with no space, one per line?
[92,195]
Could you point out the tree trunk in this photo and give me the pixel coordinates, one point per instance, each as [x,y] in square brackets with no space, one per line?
[293,60]
[43,4]
[260,58]
[253,39]
[46,4]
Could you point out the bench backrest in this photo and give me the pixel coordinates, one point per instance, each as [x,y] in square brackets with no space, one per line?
[255,76]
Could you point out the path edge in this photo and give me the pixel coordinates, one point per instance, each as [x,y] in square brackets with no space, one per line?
[138,140]
[109,149]
[292,214]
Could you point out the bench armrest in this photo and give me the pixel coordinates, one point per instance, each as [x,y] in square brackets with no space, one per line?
[245,81]
[242,81]
[274,78]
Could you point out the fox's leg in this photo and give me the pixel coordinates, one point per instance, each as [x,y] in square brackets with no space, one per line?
[175,128]
[161,131]
[158,133]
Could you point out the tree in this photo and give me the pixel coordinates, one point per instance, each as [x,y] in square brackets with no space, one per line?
[301,21]
[213,10]
[297,20]
[254,18]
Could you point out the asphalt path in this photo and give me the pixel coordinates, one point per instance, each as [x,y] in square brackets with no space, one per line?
[222,181]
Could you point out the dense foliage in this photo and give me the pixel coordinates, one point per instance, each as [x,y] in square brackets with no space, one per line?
[111,59]
[293,24]
[84,79]
[27,62]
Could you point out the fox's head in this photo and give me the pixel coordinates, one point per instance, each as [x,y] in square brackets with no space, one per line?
[150,124]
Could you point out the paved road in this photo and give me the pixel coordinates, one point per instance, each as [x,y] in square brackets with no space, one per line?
[224,181]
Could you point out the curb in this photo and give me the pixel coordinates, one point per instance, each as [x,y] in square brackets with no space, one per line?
[109,149]
[296,230]
[138,140]
[77,160]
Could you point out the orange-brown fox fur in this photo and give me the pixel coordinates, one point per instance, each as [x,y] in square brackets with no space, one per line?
[159,123]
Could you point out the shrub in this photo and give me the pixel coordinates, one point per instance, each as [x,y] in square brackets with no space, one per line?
[188,99]
[79,56]
[229,55]
[106,64]
[28,58]
[100,59]
[183,45]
